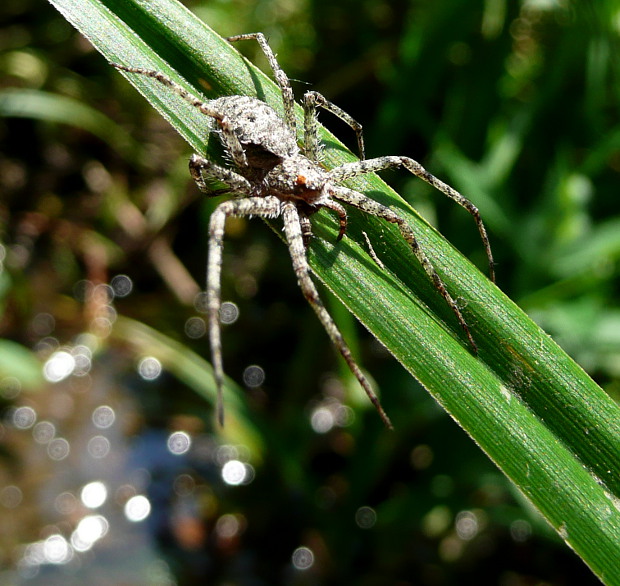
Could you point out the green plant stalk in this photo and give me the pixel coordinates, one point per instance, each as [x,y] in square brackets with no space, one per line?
[536,414]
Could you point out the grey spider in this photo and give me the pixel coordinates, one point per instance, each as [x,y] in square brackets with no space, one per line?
[277,178]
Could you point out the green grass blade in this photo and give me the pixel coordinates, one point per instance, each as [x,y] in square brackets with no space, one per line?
[537,415]
[26,103]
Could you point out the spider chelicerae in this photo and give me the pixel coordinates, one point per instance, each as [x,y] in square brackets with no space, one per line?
[274,177]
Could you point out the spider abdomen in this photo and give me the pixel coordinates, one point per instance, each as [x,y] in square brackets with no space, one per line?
[259,129]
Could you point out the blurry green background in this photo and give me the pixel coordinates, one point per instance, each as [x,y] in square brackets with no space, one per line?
[516,104]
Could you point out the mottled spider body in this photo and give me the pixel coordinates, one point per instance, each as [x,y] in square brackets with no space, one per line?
[259,129]
[277,178]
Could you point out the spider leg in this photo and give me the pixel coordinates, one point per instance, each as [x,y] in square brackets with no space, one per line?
[294,237]
[372,252]
[342,216]
[268,207]
[288,99]
[314,100]
[228,133]
[374,208]
[305,211]
[306,226]
[349,170]
[201,169]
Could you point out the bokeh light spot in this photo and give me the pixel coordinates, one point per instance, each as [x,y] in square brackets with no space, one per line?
[10,387]
[56,550]
[58,366]
[227,526]
[65,503]
[365,517]
[302,558]
[179,443]
[200,302]
[234,472]
[11,496]
[149,368]
[253,376]
[44,432]
[184,485]
[58,449]
[94,494]
[98,446]
[322,419]
[466,525]
[195,327]
[137,508]
[24,417]
[229,313]
[102,294]
[122,285]
[89,530]
[43,324]
[103,416]
[520,530]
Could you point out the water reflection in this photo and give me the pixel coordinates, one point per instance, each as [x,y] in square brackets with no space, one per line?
[98,478]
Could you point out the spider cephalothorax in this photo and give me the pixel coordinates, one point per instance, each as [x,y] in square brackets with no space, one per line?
[277,178]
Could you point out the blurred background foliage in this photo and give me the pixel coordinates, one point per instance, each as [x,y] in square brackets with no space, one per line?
[103,252]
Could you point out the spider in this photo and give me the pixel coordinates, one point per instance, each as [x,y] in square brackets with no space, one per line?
[274,177]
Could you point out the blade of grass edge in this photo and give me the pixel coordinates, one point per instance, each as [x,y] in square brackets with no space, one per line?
[529,407]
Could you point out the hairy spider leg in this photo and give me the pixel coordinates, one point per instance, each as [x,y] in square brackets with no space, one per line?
[294,237]
[349,170]
[288,98]
[374,208]
[313,101]
[201,168]
[229,137]
[306,225]
[266,207]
